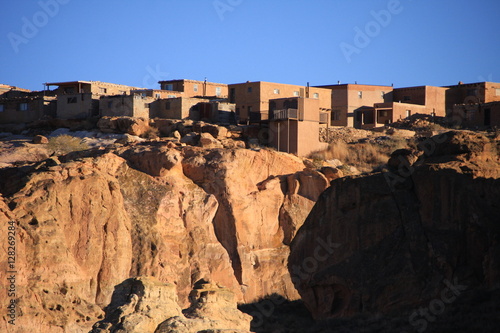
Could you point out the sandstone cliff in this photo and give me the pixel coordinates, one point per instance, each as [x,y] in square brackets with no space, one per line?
[90,220]
[419,234]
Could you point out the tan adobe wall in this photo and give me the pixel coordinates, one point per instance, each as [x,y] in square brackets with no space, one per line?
[77,106]
[492,93]
[399,110]
[126,105]
[193,88]
[177,108]
[156,93]
[480,115]
[347,99]
[432,97]
[255,96]
[104,88]
[34,108]
[300,137]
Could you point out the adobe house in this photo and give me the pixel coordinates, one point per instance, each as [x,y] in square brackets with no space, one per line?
[12,91]
[352,104]
[193,88]
[18,105]
[177,108]
[80,99]
[476,114]
[294,124]
[471,93]
[406,102]
[252,98]
[134,105]
[157,93]
[26,109]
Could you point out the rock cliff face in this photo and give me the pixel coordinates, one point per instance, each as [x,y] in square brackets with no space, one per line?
[419,234]
[88,221]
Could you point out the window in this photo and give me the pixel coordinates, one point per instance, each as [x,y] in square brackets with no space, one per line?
[249,89]
[295,93]
[103,90]
[336,115]
[316,95]
[168,87]
[408,113]
[382,94]
[71,100]
[249,109]
[69,90]
[167,106]
[276,91]
[471,92]
[23,106]
[2,108]
[146,105]
[360,94]
[382,113]
[217,91]
[157,95]
[195,88]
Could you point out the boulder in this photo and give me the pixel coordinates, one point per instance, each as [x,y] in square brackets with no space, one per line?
[213,308]
[139,305]
[208,141]
[191,139]
[130,125]
[40,139]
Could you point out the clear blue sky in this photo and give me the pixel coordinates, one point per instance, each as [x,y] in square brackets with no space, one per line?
[231,41]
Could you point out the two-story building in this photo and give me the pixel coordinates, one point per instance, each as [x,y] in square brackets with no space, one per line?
[294,124]
[253,99]
[352,104]
[80,99]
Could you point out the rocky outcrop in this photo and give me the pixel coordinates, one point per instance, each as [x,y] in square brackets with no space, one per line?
[89,220]
[213,309]
[129,125]
[420,234]
[139,305]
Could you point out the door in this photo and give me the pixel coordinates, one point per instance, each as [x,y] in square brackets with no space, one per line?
[487,117]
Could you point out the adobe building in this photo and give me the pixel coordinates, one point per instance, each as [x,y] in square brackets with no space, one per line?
[18,105]
[157,93]
[252,99]
[193,108]
[193,88]
[479,115]
[406,102]
[134,105]
[352,104]
[80,99]
[26,109]
[12,91]
[472,93]
[294,124]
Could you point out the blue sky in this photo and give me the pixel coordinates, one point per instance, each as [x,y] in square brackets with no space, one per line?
[400,42]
